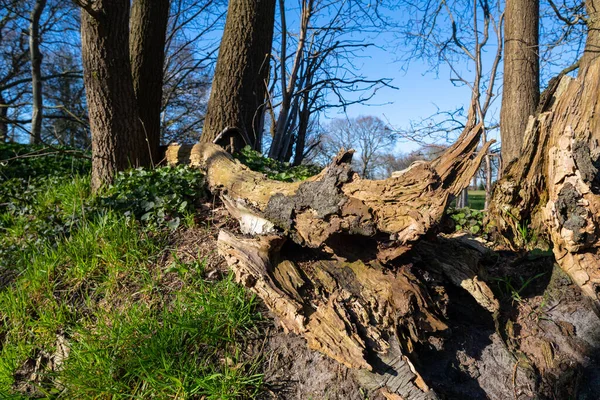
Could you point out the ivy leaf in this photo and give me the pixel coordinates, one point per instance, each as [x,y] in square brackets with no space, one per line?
[174,223]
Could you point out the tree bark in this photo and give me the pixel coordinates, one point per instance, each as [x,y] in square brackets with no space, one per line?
[553,190]
[148,29]
[238,90]
[36,72]
[462,200]
[282,134]
[3,120]
[337,200]
[304,116]
[521,89]
[118,142]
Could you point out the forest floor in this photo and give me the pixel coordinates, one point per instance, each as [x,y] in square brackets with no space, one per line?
[123,295]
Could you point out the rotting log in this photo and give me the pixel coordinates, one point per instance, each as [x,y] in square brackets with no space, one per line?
[352,312]
[342,287]
[553,189]
[403,207]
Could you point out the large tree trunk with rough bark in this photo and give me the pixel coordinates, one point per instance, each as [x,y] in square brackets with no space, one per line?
[118,141]
[521,87]
[552,191]
[148,30]
[239,86]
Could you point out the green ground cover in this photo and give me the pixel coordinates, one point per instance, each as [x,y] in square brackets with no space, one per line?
[88,307]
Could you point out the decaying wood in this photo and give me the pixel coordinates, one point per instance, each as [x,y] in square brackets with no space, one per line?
[357,313]
[350,302]
[337,200]
[553,189]
[458,258]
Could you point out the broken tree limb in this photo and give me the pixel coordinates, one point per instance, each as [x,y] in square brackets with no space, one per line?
[359,314]
[337,200]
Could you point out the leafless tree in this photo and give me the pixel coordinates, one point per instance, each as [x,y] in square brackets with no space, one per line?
[392,162]
[321,72]
[190,54]
[563,32]
[65,111]
[55,26]
[14,63]
[368,135]
[238,90]
[454,34]
[36,70]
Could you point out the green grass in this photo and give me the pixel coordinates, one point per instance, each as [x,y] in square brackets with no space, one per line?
[476,199]
[73,270]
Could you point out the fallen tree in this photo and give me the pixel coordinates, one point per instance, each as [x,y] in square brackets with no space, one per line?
[347,291]
[333,257]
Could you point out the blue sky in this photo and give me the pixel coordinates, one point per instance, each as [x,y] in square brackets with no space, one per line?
[419,93]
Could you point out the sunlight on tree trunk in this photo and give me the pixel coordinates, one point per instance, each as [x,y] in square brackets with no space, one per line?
[553,190]
[118,142]
[239,89]
[521,88]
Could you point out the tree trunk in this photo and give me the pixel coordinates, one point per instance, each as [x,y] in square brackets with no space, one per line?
[36,72]
[462,200]
[282,135]
[238,91]
[521,89]
[553,190]
[3,119]
[488,182]
[302,130]
[117,138]
[148,29]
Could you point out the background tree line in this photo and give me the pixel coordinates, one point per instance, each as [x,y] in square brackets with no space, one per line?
[307,67]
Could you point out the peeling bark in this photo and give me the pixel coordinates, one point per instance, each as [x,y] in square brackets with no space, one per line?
[552,190]
[337,200]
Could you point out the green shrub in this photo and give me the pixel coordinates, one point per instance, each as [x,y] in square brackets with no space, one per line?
[158,197]
[467,219]
[274,169]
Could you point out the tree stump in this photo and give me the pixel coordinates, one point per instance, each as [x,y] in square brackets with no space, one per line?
[553,189]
